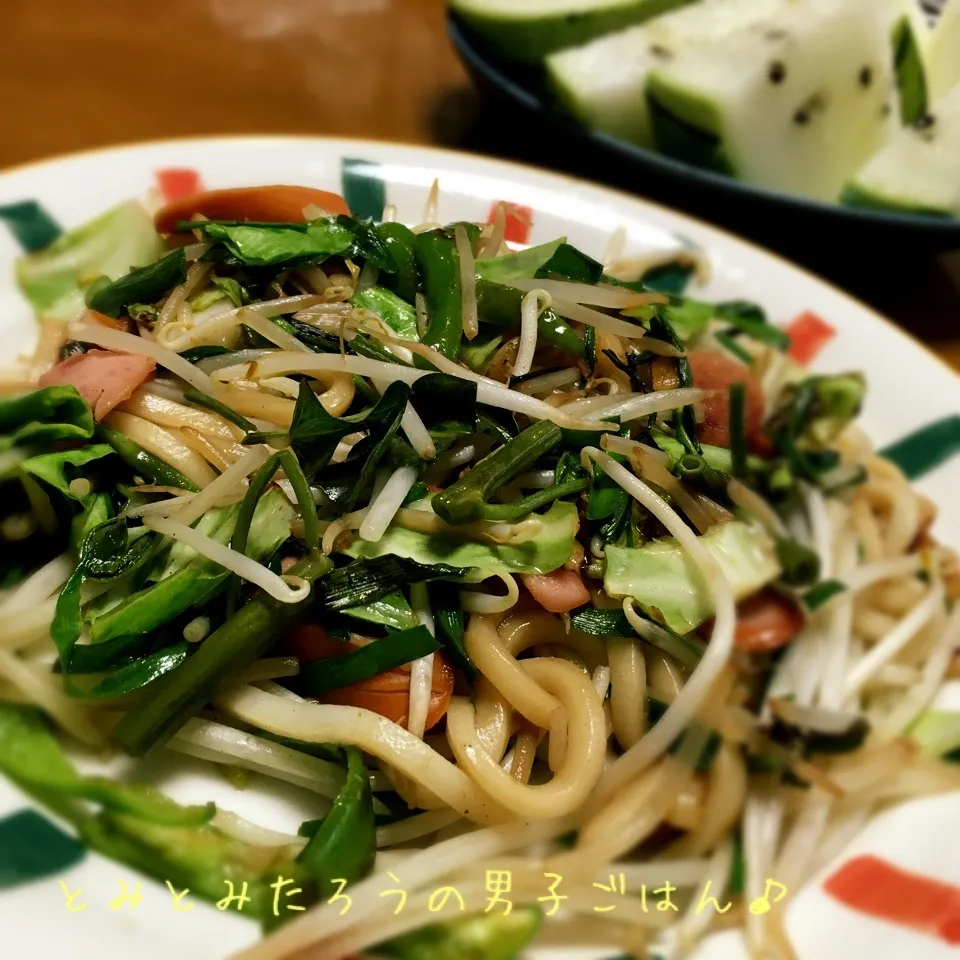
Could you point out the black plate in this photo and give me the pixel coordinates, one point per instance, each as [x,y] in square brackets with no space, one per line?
[791,224]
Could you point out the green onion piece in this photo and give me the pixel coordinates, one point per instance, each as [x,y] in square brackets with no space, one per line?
[234,645]
[465,501]
[450,626]
[691,465]
[287,461]
[392,651]
[801,565]
[738,428]
[730,343]
[365,581]
[818,595]
[614,623]
[343,845]
[143,463]
[228,413]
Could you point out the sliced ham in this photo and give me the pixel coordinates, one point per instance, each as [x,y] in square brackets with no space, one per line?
[714,371]
[766,622]
[387,693]
[103,378]
[559,592]
[274,204]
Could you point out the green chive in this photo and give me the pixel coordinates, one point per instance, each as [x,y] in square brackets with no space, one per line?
[801,565]
[204,400]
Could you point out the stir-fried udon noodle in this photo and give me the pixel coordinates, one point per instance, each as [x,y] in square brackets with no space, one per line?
[520,564]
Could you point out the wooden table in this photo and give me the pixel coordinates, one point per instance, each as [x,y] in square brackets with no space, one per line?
[76,74]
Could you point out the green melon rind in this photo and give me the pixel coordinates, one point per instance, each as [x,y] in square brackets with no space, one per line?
[865,199]
[524,35]
[686,126]
[909,71]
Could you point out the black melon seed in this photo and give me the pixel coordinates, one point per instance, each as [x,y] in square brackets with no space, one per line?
[778,72]
[662,52]
[865,76]
[925,122]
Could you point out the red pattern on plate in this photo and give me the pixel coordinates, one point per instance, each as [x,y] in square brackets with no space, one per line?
[808,334]
[881,890]
[519,221]
[175,183]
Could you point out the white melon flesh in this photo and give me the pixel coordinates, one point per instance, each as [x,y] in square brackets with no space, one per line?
[918,171]
[603,82]
[943,56]
[795,102]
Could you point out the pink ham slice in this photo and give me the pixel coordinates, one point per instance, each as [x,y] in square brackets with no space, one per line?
[559,592]
[103,378]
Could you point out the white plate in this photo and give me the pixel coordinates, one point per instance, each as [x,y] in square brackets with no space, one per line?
[909,388]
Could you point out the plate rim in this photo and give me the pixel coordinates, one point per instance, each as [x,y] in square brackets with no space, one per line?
[558,178]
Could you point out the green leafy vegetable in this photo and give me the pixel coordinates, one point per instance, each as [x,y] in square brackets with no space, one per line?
[394,650]
[237,294]
[59,469]
[391,610]
[53,279]
[668,584]
[143,285]
[485,937]
[801,565]
[549,550]
[478,353]
[188,579]
[142,671]
[365,581]
[446,404]
[109,552]
[569,263]
[813,414]
[45,416]
[395,312]
[937,731]
[345,845]
[30,755]
[269,244]
[448,617]
[817,596]
[614,623]
[230,648]
[516,266]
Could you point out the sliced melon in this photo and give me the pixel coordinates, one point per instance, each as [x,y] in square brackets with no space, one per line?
[794,102]
[603,82]
[530,29]
[918,171]
[943,58]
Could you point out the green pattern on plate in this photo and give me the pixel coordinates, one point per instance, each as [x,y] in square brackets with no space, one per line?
[31,848]
[363,188]
[927,448]
[33,227]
